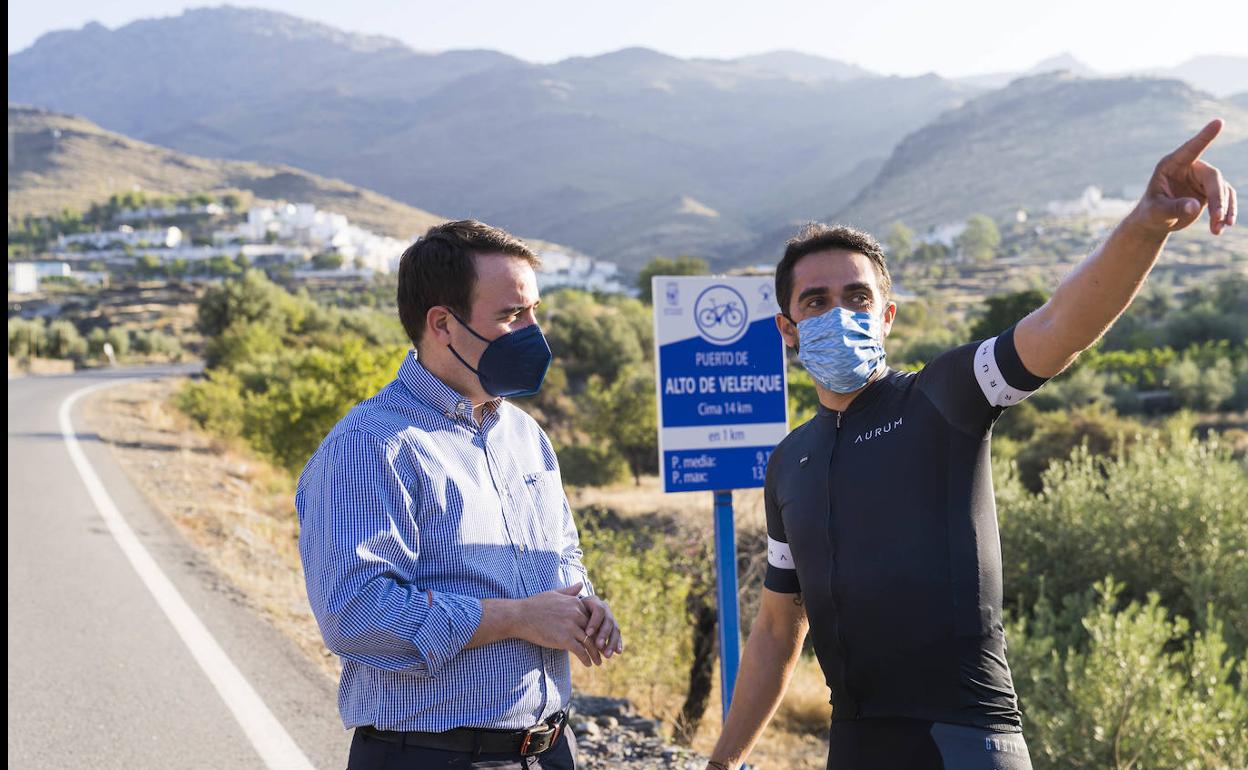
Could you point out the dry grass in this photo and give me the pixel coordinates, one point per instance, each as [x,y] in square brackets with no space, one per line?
[237,509]
[688,509]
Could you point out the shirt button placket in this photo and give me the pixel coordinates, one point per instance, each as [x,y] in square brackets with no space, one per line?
[510,522]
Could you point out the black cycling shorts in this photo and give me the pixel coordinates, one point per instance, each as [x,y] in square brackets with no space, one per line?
[912,744]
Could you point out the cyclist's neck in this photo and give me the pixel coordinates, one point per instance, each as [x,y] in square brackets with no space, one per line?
[840,402]
[837,402]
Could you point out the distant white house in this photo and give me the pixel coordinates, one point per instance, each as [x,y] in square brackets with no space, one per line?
[168,212]
[578,271]
[164,238]
[945,234]
[53,269]
[335,275]
[25,277]
[275,252]
[1092,203]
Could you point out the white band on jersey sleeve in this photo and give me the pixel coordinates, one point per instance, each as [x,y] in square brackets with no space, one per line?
[991,382]
[779,555]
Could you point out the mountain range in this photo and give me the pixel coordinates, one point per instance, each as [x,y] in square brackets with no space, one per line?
[1045,138]
[1219,75]
[624,155]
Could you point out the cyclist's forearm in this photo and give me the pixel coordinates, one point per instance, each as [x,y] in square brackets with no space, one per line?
[766,668]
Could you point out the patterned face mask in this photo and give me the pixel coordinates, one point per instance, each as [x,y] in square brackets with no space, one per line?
[842,350]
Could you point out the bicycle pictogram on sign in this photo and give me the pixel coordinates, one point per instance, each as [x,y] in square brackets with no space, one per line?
[720,314]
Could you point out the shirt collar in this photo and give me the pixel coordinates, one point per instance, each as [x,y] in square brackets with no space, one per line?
[430,390]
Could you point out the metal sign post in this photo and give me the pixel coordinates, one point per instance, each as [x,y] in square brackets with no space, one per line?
[726,596]
[722,408]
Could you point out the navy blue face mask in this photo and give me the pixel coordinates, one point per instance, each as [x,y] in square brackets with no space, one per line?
[512,365]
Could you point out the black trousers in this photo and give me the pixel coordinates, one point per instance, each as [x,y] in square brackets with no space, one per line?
[369,753]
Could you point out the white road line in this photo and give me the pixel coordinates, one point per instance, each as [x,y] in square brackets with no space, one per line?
[275,746]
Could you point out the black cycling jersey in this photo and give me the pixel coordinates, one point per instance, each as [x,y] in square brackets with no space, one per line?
[883,517]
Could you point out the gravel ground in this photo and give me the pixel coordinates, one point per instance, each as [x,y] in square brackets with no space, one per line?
[610,734]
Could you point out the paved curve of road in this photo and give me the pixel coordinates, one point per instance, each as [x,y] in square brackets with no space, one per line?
[99,676]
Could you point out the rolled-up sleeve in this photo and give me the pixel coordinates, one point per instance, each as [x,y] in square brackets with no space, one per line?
[359,546]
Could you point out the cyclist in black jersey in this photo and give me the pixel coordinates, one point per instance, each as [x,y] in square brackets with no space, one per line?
[881,522]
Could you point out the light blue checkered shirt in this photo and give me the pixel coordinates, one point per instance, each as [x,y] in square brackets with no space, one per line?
[409,495]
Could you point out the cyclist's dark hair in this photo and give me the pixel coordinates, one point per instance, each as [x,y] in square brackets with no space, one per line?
[440,269]
[816,236]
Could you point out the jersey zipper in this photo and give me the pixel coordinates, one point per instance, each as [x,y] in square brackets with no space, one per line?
[840,634]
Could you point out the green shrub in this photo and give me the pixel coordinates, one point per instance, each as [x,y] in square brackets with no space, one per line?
[596,336]
[1077,387]
[157,343]
[27,338]
[1201,387]
[293,399]
[215,402]
[64,341]
[1168,516]
[120,340]
[1054,435]
[95,342]
[252,298]
[621,414]
[241,343]
[1129,689]
[591,465]
[803,398]
[647,581]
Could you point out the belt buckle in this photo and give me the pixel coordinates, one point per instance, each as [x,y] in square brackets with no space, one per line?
[540,737]
[529,746]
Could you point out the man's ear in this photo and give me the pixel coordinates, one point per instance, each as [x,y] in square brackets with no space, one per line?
[788,330]
[437,320]
[890,312]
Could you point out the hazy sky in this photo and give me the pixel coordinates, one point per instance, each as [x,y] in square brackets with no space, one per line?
[907,37]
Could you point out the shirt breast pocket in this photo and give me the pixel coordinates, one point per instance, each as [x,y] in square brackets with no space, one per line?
[545,493]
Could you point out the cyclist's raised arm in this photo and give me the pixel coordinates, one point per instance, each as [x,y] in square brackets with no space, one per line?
[1103,285]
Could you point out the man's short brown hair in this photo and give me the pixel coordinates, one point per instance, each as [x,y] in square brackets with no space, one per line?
[816,236]
[440,269]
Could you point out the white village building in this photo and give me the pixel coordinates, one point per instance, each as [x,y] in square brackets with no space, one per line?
[302,224]
[162,238]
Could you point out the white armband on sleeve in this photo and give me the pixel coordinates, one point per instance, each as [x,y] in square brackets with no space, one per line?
[991,381]
[779,555]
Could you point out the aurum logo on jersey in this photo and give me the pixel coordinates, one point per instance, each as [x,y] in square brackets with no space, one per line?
[887,427]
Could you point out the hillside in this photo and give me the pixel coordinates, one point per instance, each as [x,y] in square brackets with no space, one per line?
[576,152]
[1040,139]
[58,161]
[1219,75]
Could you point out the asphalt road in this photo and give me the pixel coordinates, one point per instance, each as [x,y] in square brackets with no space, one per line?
[110,664]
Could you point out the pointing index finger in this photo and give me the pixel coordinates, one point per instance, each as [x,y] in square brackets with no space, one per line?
[1192,148]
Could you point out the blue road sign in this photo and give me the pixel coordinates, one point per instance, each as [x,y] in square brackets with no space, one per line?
[721,381]
[722,408]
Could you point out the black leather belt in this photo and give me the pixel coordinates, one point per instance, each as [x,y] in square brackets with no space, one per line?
[526,743]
